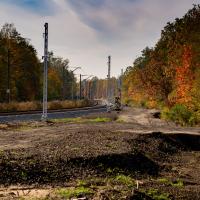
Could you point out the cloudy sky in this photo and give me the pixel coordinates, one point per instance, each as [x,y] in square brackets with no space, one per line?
[87,31]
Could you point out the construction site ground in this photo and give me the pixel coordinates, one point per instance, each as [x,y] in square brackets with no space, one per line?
[132,154]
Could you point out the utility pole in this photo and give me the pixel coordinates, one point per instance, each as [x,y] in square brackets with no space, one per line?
[108,83]
[63,89]
[121,84]
[8,74]
[45,80]
[80,91]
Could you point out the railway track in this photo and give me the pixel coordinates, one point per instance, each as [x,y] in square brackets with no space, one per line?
[52,114]
[49,111]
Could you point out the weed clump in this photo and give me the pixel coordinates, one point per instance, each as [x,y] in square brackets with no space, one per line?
[125,180]
[82,120]
[151,194]
[179,114]
[176,183]
[74,192]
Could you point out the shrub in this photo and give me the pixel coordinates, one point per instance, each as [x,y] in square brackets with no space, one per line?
[179,114]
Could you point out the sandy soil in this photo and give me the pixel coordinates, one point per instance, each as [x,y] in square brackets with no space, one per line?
[37,157]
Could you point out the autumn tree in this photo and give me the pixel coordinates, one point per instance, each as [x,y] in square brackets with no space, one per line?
[19,58]
[169,72]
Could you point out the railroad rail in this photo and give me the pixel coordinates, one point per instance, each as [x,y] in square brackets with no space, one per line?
[52,114]
[49,110]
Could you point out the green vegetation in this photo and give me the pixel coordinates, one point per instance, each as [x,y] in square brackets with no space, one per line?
[180,114]
[168,75]
[117,187]
[74,192]
[82,120]
[81,183]
[100,119]
[68,120]
[25,78]
[163,180]
[125,180]
[156,195]
[176,183]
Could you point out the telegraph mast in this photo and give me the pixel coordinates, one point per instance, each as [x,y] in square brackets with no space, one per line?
[45,78]
[108,83]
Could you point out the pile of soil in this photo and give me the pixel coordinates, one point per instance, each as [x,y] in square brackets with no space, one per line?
[145,157]
[52,162]
[56,155]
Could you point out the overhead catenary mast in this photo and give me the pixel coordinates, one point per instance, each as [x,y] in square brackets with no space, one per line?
[45,79]
[108,83]
[121,84]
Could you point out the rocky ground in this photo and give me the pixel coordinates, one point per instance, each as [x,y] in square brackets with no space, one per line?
[130,155]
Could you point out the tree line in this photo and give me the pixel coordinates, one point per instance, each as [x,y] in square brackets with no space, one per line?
[98,88]
[21,71]
[168,75]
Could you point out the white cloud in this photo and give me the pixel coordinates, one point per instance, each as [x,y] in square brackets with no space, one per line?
[89,35]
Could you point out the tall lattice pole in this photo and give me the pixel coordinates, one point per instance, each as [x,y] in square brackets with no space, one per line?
[8,74]
[80,88]
[121,84]
[108,83]
[45,80]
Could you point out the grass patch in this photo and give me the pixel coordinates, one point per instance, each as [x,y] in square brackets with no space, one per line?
[124,180]
[176,183]
[74,192]
[156,195]
[81,183]
[100,119]
[163,180]
[68,120]
[82,120]
[179,114]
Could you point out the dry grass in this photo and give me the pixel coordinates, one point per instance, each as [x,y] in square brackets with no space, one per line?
[36,105]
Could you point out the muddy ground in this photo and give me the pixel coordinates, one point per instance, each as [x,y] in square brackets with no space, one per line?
[134,155]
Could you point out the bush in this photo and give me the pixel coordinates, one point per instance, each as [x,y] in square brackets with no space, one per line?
[179,114]
[195,118]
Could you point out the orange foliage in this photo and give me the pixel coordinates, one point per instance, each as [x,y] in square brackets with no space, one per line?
[184,78]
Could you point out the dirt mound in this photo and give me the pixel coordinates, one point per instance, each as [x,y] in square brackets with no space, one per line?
[160,146]
[143,159]
[57,170]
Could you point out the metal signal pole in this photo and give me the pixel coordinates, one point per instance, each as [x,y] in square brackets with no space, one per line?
[80,91]
[8,78]
[45,80]
[63,84]
[108,84]
[121,84]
